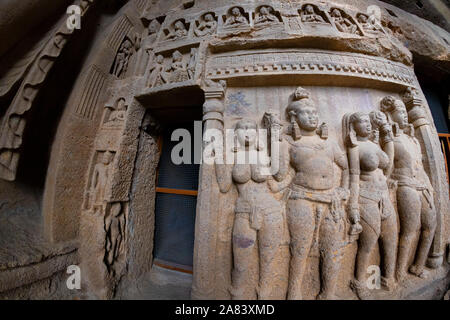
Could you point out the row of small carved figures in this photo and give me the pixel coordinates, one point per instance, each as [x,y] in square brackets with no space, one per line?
[308,66]
[266,15]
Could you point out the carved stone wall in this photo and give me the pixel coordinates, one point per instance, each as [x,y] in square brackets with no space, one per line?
[360,179]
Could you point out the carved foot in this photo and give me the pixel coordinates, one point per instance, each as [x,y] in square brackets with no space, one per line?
[388,284]
[295,295]
[360,289]
[327,296]
[419,272]
[401,275]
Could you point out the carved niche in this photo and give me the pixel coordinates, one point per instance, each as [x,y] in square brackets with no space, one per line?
[310,13]
[115,115]
[179,29]
[266,15]
[369,24]
[177,67]
[206,25]
[344,22]
[236,18]
[126,50]
[98,182]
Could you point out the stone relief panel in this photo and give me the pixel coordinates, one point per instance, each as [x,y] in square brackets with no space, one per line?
[102,164]
[115,227]
[206,25]
[179,29]
[236,18]
[114,115]
[122,59]
[369,24]
[310,13]
[339,194]
[344,22]
[172,68]
[415,194]
[266,15]
[272,62]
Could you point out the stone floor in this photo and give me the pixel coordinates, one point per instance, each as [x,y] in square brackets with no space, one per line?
[162,284]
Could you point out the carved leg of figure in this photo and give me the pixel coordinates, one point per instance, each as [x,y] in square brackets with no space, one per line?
[389,242]
[300,215]
[428,219]
[409,207]
[330,243]
[270,238]
[368,238]
[245,252]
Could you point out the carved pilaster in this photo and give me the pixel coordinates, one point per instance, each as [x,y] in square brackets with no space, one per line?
[432,151]
[207,209]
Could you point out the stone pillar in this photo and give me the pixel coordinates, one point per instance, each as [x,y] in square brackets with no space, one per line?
[432,150]
[207,210]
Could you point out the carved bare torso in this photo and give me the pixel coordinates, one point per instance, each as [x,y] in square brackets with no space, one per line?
[408,159]
[313,161]
[372,158]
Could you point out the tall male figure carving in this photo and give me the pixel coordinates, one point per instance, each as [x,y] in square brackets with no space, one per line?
[414,192]
[315,210]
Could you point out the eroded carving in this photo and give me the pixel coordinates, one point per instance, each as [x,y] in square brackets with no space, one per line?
[236,18]
[343,22]
[315,207]
[369,24]
[99,182]
[153,30]
[156,77]
[206,25]
[123,58]
[176,71]
[415,200]
[115,235]
[115,115]
[264,15]
[259,229]
[179,29]
[370,203]
[312,14]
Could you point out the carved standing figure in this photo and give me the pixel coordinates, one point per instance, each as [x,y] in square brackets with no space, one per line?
[315,210]
[156,70]
[369,195]
[415,200]
[309,15]
[192,63]
[100,180]
[206,26]
[153,29]
[343,24]
[115,233]
[265,15]
[236,18]
[259,224]
[176,71]
[123,58]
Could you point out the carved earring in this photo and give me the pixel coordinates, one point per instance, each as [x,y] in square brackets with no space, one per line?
[396,129]
[294,128]
[323,131]
[352,136]
[235,144]
[375,136]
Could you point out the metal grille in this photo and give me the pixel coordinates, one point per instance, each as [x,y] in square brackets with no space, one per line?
[175,206]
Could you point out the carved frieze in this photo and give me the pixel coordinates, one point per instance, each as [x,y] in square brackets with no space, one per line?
[225,66]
